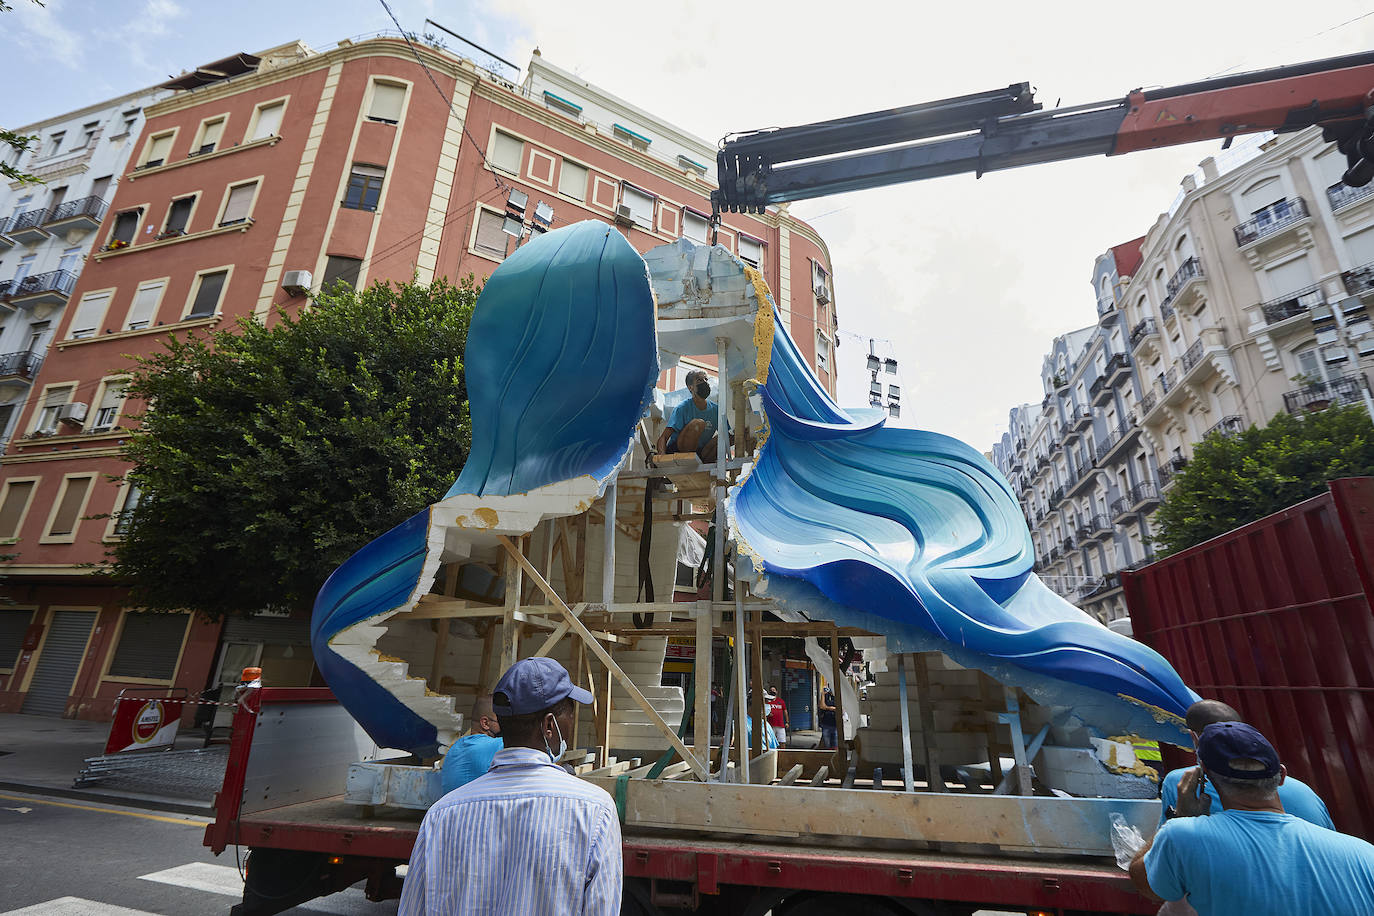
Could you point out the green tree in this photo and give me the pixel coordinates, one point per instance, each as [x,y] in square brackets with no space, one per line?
[18,143]
[270,454]
[1232,481]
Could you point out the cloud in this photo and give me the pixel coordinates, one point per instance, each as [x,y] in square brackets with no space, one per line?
[43,36]
[139,33]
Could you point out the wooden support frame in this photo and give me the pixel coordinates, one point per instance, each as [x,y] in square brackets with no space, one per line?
[701,727]
[604,656]
[908,780]
[934,780]
[756,675]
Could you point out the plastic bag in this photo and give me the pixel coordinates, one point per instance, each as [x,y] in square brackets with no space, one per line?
[1126,841]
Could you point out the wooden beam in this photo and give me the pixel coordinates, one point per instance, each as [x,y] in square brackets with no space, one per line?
[601,653]
[440,650]
[791,775]
[836,674]
[701,727]
[907,780]
[510,627]
[934,780]
[756,675]
[741,680]
[485,676]
[821,776]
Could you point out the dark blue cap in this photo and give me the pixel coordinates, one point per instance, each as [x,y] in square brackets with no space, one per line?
[533,685]
[1224,742]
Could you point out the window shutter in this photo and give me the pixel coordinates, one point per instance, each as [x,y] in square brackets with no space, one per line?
[145,302]
[89,314]
[269,121]
[179,214]
[490,238]
[387,101]
[149,645]
[213,131]
[572,181]
[207,295]
[240,199]
[160,148]
[641,204]
[16,498]
[1290,277]
[507,152]
[750,249]
[64,522]
[694,226]
[114,393]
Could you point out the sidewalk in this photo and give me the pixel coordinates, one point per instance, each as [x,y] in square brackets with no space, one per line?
[44,754]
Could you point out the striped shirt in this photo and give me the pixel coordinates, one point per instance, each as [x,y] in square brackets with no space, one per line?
[526,838]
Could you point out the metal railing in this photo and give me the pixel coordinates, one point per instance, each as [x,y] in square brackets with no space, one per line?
[1056,496]
[27,220]
[1119,507]
[1119,362]
[1190,269]
[1169,469]
[1192,356]
[94,207]
[1143,493]
[1144,328]
[1321,395]
[1341,194]
[1147,403]
[1360,280]
[55,281]
[1099,524]
[1105,304]
[1294,303]
[1227,427]
[24,364]
[1170,381]
[1114,436]
[1271,219]
[1167,311]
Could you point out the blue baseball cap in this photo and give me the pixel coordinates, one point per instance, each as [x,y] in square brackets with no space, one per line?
[533,685]
[1223,742]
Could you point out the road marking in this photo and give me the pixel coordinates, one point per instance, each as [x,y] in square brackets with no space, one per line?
[224,879]
[75,906]
[21,810]
[189,820]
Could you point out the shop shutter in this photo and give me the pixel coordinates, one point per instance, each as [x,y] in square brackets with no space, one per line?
[149,645]
[13,624]
[285,631]
[58,663]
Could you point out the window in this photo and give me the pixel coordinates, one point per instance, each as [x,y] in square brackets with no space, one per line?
[13,505]
[558,103]
[208,291]
[38,337]
[90,312]
[364,187]
[22,205]
[159,145]
[822,353]
[55,201]
[149,646]
[490,240]
[267,120]
[635,139]
[695,226]
[507,153]
[125,226]
[178,215]
[132,494]
[100,186]
[239,204]
[640,204]
[107,412]
[130,119]
[14,623]
[88,133]
[145,305]
[210,133]
[750,250]
[387,101]
[572,180]
[691,165]
[67,513]
[341,270]
[71,259]
[54,143]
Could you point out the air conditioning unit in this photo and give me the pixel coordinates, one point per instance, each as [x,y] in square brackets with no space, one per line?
[822,293]
[624,216]
[74,413]
[297,282]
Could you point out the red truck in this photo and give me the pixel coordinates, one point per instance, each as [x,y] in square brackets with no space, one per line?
[282,801]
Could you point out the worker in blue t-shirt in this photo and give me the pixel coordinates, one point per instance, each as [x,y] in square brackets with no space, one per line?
[470,756]
[1252,858]
[692,426]
[1298,799]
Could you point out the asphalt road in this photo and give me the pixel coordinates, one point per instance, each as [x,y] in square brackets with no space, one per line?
[76,858]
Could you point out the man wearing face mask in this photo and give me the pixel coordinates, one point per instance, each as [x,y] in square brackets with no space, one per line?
[692,427]
[527,837]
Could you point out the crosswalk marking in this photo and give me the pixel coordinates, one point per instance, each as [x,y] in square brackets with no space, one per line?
[224,879]
[75,906]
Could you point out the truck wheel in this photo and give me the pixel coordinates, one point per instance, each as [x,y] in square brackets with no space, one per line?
[849,904]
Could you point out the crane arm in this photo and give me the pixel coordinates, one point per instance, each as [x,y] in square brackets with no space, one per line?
[1006,128]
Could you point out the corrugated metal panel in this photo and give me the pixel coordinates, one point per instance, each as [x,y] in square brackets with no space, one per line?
[286,631]
[149,645]
[13,624]
[58,663]
[1274,619]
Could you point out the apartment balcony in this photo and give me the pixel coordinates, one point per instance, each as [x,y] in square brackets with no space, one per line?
[1118,438]
[1290,305]
[1083,533]
[27,227]
[84,214]
[1056,496]
[1144,561]
[1145,330]
[1148,402]
[54,287]
[1082,479]
[1016,462]
[1180,284]
[1120,509]
[1192,356]
[1055,446]
[1081,418]
[1100,392]
[1340,195]
[1360,281]
[1168,471]
[1228,427]
[6,241]
[1144,497]
[1118,369]
[1272,220]
[1167,312]
[19,367]
[1107,310]
[1068,545]
[1099,527]
[1348,389]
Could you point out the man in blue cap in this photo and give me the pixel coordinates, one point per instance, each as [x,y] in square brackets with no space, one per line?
[1253,858]
[527,837]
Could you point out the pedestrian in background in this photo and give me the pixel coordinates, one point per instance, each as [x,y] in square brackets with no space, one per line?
[470,756]
[777,714]
[527,837]
[829,736]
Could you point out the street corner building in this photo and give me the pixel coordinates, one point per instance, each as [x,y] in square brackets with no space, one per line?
[235,190]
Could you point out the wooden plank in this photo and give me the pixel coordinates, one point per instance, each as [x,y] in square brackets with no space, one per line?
[906,724]
[510,627]
[605,656]
[756,675]
[821,776]
[790,776]
[440,650]
[741,680]
[701,726]
[486,677]
[934,780]
[614,768]
[850,774]
[837,689]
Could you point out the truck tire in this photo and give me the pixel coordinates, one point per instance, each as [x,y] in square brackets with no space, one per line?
[849,904]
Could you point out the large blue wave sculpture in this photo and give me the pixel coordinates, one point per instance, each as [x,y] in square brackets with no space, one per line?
[917,536]
[560,364]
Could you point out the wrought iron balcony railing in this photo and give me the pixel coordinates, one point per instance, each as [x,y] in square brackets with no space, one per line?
[1341,194]
[1321,395]
[1294,303]
[1271,219]
[1190,269]
[24,364]
[1143,329]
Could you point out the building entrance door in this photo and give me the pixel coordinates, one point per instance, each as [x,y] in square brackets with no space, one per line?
[59,662]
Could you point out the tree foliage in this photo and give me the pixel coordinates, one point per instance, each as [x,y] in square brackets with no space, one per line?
[19,143]
[1236,480]
[270,454]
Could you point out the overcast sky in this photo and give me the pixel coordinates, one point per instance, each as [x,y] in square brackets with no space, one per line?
[969,279]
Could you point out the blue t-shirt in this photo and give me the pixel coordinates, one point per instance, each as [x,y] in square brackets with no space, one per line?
[687,411]
[469,758]
[1298,799]
[1261,863]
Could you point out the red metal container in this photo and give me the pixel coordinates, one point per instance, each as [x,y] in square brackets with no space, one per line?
[1274,618]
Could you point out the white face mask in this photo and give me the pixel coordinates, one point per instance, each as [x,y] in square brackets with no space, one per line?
[562,744]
